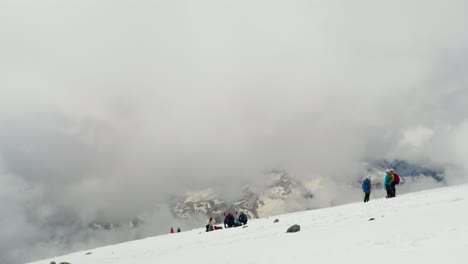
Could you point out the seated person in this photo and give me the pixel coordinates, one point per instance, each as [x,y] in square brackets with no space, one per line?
[242,218]
[229,220]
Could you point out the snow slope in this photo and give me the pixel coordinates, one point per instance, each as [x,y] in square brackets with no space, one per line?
[424,227]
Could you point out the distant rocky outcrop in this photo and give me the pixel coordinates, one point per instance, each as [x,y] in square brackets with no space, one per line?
[272,199]
[103,225]
[275,197]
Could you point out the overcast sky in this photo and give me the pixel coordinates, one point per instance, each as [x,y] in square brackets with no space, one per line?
[109,107]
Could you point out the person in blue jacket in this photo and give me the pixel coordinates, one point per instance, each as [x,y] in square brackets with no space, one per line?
[366,187]
[388,184]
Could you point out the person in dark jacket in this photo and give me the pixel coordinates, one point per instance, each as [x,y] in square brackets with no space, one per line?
[366,187]
[396,180]
[178,230]
[229,220]
[242,218]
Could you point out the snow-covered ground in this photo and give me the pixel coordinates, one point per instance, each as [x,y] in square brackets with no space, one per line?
[424,227]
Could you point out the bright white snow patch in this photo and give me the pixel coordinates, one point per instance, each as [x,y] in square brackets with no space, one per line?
[207,194]
[424,227]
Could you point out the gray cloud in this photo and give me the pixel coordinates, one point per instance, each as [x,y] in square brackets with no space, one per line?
[107,109]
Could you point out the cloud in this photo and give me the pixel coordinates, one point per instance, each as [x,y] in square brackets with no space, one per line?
[417,136]
[107,109]
[459,143]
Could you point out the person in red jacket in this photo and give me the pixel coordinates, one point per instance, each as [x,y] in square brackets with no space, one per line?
[172,230]
[396,180]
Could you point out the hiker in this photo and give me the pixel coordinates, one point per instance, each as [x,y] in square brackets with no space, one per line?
[209,226]
[229,220]
[396,180]
[388,183]
[366,187]
[242,218]
[178,230]
[172,230]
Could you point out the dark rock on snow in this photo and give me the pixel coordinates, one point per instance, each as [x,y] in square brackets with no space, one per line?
[276,221]
[293,229]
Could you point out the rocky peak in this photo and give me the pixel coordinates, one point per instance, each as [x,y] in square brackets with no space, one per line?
[270,199]
[205,202]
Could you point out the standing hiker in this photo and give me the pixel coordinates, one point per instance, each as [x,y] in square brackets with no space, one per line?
[396,180]
[366,187]
[172,230]
[178,230]
[388,183]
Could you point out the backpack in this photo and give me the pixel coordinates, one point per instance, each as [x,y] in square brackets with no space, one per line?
[397,179]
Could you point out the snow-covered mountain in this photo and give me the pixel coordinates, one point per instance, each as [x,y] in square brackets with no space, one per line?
[406,170]
[427,226]
[283,193]
[272,199]
[280,194]
[206,202]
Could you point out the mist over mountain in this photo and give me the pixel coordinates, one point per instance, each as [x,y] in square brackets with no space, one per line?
[113,114]
[275,197]
[399,223]
[279,194]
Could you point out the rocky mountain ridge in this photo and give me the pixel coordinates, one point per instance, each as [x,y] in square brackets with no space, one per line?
[272,199]
[276,197]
